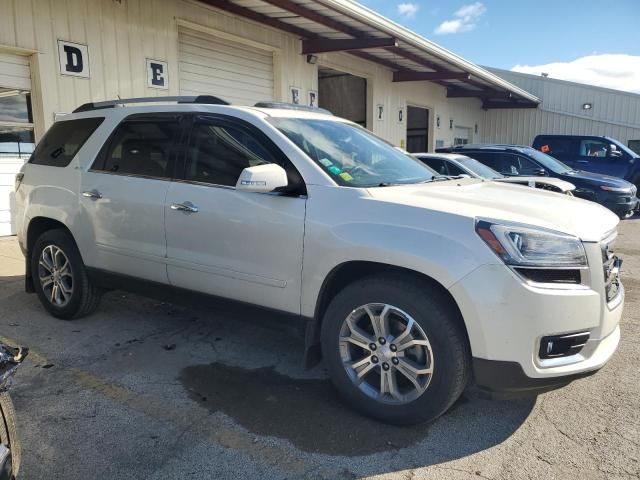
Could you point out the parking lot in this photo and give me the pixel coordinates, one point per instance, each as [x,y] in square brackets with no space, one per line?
[147,389]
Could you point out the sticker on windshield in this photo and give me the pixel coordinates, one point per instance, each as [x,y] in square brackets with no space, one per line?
[326,162]
[335,170]
[346,177]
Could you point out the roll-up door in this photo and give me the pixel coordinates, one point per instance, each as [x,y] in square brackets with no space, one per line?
[238,73]
[16,130]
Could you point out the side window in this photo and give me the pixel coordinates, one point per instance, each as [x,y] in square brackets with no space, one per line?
[455,170]
[63,140]
[527,166]
[141,148]
[437,164]
[218,152]
[594,148]
[558,146]
[491,160]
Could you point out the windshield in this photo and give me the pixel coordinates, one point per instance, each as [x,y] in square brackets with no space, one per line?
[546,161]
[479,168]
[351,155]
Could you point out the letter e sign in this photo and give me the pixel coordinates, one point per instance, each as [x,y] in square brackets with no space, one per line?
[157,74]
[74,59]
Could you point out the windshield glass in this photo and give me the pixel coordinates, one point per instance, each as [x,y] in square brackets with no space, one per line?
[546,161]
[351,155]
[479,168]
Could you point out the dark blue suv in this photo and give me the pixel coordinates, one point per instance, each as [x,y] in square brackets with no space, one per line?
[594,154]
[614,193]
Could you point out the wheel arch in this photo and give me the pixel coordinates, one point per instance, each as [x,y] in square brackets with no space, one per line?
[348,272]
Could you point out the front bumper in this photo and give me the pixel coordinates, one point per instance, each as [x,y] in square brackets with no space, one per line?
[507,317]
[621,205]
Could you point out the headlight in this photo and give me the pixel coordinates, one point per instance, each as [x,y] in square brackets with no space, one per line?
[616,189]
[522,246]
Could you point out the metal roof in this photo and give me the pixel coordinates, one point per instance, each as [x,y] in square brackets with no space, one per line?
[345,25]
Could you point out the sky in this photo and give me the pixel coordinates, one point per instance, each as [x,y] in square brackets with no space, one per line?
[587,41]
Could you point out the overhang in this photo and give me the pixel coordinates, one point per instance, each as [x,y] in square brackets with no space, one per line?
[345,25]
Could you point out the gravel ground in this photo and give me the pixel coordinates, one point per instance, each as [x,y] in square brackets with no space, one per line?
[149,390]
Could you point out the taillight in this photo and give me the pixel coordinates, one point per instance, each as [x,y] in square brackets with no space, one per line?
[19,178]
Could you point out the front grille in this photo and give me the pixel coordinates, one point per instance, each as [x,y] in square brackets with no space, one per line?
[611,270]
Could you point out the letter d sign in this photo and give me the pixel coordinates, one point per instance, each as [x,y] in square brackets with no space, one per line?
[74,59]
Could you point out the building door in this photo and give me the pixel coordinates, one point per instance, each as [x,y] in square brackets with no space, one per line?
[417,129]
[240,74]
[16,130]
[343,94]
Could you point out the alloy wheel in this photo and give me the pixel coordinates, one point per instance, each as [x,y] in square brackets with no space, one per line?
[55,275]
[386,353]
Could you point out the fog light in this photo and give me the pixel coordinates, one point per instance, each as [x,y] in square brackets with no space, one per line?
[562,345]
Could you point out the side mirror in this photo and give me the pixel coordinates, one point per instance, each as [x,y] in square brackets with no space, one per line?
[262,178]
[614,152]
[541,172]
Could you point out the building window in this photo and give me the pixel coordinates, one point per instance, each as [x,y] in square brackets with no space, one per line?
[16,124]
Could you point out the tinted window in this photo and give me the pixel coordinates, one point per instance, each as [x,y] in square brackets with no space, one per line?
[63,140]
[437,164]
[142,147]
[218,153]
[556,145]
[479,168]
[507,163]
[455,170]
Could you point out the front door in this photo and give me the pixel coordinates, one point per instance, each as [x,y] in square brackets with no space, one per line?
[595,156]
[124,193]
[229,243]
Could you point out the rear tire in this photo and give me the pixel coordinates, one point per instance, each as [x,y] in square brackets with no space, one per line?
[9,432]
[60,277]
[439,336]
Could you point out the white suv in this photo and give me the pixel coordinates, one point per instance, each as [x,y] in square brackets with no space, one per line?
[411,284]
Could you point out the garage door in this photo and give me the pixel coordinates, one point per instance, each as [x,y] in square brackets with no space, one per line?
[240,74]
[16,130]
[462,136]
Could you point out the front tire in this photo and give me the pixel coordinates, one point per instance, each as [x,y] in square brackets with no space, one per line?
[395,349]
[60,277]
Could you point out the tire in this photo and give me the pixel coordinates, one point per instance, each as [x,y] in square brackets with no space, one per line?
[83,298]
[445,350]
[9,432]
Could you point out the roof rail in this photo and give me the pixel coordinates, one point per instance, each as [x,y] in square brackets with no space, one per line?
[292,106]
[204,99]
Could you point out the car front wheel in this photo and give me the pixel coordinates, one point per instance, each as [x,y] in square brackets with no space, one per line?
[395,349]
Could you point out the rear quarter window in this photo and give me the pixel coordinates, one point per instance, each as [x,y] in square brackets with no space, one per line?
[63,140]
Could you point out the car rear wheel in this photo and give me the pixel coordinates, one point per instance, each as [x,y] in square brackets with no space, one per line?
[395,349]
[60,277]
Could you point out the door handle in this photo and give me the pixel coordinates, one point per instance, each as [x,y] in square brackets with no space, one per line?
[184,207]
[93,194]
[583,161]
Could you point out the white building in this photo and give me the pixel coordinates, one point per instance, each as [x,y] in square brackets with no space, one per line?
[566,108]
[55,56]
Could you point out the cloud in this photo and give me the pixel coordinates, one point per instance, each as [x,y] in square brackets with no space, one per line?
[466,18]
[617,71]
[408,10]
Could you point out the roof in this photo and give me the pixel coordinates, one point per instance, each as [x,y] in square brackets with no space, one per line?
[345,25]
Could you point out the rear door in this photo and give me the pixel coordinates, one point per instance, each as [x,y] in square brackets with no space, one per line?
[239,245]
[563,148]
[124,194]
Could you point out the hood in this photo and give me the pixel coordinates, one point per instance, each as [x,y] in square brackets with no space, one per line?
[499,201]
[580,177]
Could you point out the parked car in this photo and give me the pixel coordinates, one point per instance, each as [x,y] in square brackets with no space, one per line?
[454,165]
[593,154]
[616,194]
[410,284]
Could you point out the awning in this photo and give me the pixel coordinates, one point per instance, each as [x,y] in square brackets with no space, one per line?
[346,26]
